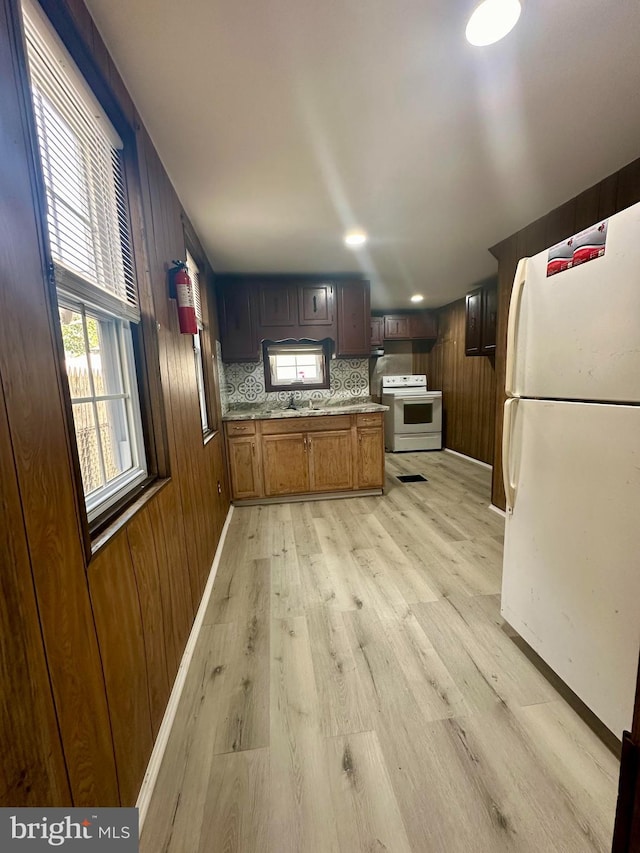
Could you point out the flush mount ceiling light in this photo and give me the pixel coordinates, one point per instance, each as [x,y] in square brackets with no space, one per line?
[355,238]
[417,297]
[492,20]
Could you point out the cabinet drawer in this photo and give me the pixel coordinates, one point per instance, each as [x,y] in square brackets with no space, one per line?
[277,426]
[369,419]
[240,427]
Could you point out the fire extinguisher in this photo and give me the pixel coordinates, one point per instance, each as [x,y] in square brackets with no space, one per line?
[184,296]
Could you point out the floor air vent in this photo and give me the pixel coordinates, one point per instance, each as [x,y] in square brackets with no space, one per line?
[412,478]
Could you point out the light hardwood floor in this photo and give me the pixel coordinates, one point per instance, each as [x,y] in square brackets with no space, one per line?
[355,689]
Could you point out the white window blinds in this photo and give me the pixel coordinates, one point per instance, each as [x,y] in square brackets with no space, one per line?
[82,165]
[194,275]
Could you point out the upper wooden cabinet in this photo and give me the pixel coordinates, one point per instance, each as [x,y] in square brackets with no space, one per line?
[420,325]
[377,331]
[481,321]
[354,328]
[237,320]
[253,309]
[277,304]
[396,327]
[490,320]
[473,323]
[315,304]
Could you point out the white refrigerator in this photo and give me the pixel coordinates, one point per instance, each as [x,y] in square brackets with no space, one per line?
[571,457]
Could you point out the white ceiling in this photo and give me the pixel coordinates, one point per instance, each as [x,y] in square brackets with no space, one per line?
[283,122]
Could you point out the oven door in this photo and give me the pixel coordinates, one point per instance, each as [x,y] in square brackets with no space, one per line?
[417,414]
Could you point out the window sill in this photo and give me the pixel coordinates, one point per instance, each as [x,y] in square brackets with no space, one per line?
[124,515]
[207,436]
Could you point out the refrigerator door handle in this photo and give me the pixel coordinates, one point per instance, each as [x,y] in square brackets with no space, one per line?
[512,325]
[509,484]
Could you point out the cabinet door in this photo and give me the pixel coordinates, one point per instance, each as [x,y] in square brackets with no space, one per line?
[354,329]
[315,303]
[277,304]
[489,319]
[422,326]
[244,465]
[285,464]
[473,330]
[370,459]
[396,327]
[377,331]
[239,341]
[330,461]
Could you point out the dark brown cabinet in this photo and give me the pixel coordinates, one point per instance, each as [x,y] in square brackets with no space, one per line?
[277,304]
[481,321]
[315,304]
[420,325]
[354,327]
[237,321]
[396,327]
[377,331]
[490,320]
[254,309]
[473,328]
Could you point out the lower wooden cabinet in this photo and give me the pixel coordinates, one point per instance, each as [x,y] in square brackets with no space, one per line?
[330,461]
[244,466]
[305,456]
[286,467]
[370,459]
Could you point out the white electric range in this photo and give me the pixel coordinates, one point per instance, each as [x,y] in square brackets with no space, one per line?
[414,418]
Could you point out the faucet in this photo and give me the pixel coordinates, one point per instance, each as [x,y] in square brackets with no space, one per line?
[291,404]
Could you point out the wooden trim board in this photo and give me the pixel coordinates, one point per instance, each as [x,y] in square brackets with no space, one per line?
[469,458]
[310,496]
[151,774]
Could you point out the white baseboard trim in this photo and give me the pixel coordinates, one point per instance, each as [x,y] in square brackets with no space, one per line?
[151,774]
[469,458]
[498,510]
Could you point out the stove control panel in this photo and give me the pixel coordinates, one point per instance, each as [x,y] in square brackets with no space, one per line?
[416,380]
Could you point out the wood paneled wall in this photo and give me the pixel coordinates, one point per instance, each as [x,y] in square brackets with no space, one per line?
[90,644]
[611,195]
[468,386]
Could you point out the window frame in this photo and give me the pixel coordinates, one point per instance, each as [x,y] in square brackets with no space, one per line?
[198,349]
[118,488]
[144,334]
[207,333]
[269,382]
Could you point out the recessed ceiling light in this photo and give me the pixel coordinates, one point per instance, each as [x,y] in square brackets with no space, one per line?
[355,237]
[417,297]
[492,20]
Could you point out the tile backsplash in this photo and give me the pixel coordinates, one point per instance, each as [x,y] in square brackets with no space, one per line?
[244,383]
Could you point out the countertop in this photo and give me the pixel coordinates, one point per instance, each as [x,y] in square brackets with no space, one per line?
[265,411]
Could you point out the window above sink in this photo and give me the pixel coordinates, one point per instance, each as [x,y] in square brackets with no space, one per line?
[291,365]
